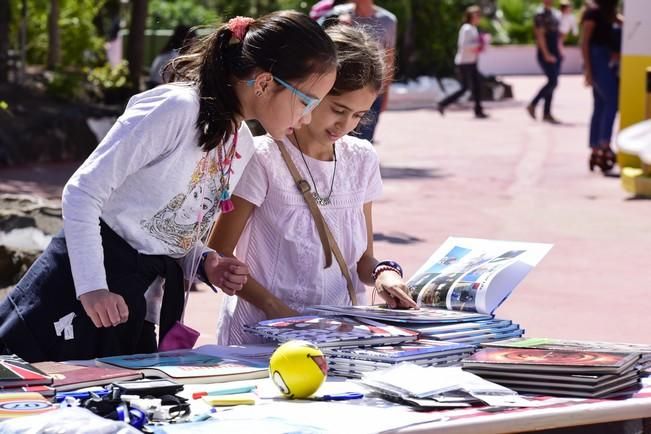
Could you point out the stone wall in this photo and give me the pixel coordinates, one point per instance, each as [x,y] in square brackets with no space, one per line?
[27,224]
[38,128]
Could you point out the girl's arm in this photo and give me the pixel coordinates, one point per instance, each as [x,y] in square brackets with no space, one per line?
[388,284]
[224,237]
[587,27]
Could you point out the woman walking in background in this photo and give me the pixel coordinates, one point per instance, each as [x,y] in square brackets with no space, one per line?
[600,45]
[469,47]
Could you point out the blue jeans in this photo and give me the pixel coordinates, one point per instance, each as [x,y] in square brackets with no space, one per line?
[366,128]
[605,90]
[551,71]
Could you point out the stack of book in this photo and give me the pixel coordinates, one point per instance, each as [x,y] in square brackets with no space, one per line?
[191,366]
[354,362]
[583,374]
[327,332]
[68,376]
[433,323]
[644,364]
[16,375]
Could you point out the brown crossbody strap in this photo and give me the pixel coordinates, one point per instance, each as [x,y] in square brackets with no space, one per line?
[328,241]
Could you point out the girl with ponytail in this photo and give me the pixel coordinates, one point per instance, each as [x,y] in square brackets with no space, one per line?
[136,211]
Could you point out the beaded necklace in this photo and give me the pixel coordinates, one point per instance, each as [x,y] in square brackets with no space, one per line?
[225,163]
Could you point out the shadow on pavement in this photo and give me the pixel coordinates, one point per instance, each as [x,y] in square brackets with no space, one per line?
[410,172]
[397,238]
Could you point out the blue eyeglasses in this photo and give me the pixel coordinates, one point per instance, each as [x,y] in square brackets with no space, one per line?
[310,103]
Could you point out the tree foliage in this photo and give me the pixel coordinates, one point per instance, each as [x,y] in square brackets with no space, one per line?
[80,43]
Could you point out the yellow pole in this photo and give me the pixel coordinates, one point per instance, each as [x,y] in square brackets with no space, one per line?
[648,92]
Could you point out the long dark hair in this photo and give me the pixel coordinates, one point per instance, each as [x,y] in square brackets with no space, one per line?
[287,44]
[360,60]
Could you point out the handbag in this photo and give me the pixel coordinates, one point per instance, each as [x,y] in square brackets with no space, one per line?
[179,337]
[328,241]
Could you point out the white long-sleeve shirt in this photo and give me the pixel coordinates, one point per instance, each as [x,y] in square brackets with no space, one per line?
[149,181]
[467,45]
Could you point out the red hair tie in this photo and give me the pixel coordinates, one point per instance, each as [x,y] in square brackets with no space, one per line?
[239,26]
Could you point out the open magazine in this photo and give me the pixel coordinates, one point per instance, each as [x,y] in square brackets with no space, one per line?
[474,275]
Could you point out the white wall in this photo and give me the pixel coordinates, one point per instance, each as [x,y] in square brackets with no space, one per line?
[521,59]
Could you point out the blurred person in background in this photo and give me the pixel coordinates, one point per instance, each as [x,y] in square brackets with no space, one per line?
[469,45]
[548,43]
[601,47]
[382,25]
[182,37]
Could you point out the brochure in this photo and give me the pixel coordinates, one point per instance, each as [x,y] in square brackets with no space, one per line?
[474,275]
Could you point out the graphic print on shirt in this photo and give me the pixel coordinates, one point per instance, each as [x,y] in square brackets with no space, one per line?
[176,224]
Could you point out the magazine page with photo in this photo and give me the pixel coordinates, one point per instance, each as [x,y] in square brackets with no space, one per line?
[474,275]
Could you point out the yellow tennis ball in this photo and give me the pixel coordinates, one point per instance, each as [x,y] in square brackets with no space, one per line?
[298,368]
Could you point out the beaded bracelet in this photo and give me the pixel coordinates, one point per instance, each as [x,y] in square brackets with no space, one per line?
[391,264]
[379,271]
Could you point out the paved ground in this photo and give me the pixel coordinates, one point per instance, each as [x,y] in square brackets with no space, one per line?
[507,177]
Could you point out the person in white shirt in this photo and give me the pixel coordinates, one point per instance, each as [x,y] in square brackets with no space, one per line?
[568,24]
[137,209]
[272,228]
[469,45]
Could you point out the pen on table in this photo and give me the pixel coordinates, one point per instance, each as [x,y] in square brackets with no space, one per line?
[344,396]
[60,396]
[225,391]
[204,416]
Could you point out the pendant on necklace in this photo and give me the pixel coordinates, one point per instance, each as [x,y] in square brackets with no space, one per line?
[320,200]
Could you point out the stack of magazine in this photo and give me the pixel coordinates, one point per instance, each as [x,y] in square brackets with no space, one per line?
[353,362]
[433,323]
[644,363]
[583,374]
[458,290]
[329,332]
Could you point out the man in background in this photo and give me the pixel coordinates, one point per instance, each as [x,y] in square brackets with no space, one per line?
[382,25]
[548,53]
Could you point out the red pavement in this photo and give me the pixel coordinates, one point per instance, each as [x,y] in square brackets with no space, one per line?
[507,177]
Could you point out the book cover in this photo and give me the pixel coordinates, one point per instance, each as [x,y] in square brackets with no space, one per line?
[67,376]
[425,315]
[15,372]
[612,380]
[188,366]
[46,391]
[17,404]
[530,359]
[573,345]
[623,389]
[591,379]
[331,331]
[419,349]
[474,275]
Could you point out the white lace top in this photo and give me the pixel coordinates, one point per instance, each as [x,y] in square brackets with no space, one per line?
[281,244]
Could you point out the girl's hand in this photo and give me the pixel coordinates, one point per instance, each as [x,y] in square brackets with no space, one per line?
[105,308]
[392,289]
[229,274]
[587,75]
